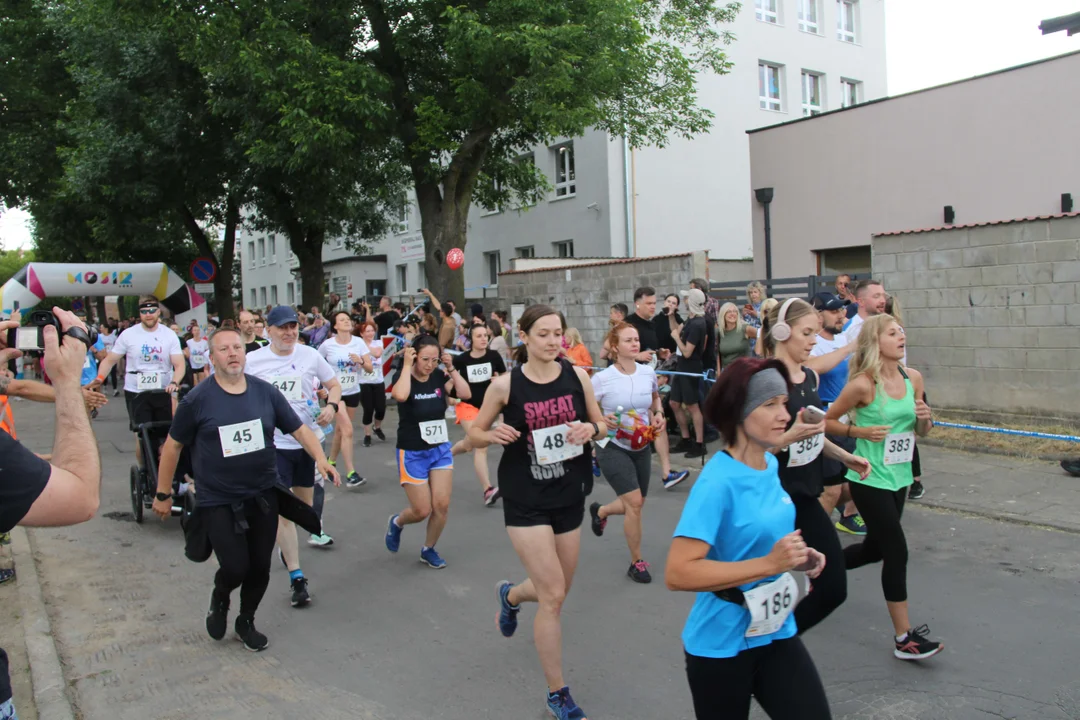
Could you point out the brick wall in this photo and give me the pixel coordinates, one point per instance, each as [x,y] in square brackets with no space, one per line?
[585,293]
[992,312]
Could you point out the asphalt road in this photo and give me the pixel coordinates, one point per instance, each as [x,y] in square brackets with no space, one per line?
[389,638]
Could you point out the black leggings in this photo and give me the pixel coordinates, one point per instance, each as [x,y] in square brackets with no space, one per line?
[111,376]
[243,555]
[885,542]
[781,676]
[829,590]
[373,400]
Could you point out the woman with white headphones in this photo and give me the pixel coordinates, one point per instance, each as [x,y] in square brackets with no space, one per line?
[789,333]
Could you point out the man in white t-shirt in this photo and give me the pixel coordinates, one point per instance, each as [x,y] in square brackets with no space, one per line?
[155,362]
[871,297]
[293,369]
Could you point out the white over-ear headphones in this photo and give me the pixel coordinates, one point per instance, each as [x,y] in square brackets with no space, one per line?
[781,331]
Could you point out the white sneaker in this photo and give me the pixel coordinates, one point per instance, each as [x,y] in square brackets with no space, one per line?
[323,540]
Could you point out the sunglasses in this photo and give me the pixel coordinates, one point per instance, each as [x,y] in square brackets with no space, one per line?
[148,310]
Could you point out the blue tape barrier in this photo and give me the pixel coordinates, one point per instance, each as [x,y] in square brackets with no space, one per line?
[1006,431]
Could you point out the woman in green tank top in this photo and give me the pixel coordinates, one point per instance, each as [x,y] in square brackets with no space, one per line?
[880,400]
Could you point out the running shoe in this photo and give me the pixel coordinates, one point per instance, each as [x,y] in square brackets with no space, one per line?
[639,572]
[300,594]
[379,434]
[674,478]
[1071,466]
[696,450]
[491,495]
[354,480]
[6,574]
[332,463]
[323,540]
[916,645]
[595,467]
[916,491]
[367,441]
[217,617]
[853,524]
[507,619]
[562,706]
[432,558]
[253,639]
[116,392]
[393,535]
[598,523]
[684,445]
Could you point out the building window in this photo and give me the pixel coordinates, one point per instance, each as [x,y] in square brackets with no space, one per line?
[765,11]
[421,273]
[854,261]
[850,92]
[339,242]
[769,87]
[262,251]
[525,252]
[564,248]
[290,293]
[273,249]
[565,183]
[254,297]
[534,197]
[251,255]
[845,20]
[811,94]
[401,218]
[808,16]
[493,262]
[273,295]
[262,297]
[403,278]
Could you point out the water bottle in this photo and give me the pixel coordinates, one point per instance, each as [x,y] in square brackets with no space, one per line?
[315,410]
[618,421]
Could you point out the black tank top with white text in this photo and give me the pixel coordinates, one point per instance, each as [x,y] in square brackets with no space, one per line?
[803,481]
[532,406]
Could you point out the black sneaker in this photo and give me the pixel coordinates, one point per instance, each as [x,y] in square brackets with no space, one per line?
[1071,466]
[683,445]
[598,523]
[367,441]
[217,617]
[916,646]
[300,595]
[253,639]
[379,434]
[698,450]
[916,491]
[639,572]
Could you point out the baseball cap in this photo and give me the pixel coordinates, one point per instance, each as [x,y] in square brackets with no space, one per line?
[827,301]
[281,315]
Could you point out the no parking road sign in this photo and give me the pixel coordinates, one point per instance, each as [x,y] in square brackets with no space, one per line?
[203,270]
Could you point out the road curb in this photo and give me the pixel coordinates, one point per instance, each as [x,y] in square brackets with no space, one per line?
[46,672]
[1002,517]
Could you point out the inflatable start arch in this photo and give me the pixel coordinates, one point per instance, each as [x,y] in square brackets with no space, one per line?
[40,280]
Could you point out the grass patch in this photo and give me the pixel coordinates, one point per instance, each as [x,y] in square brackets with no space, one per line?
[980,441]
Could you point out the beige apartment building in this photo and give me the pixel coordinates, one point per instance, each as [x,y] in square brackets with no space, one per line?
[993,147]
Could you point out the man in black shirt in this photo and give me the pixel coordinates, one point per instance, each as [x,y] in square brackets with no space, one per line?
[252,341]
[691,338]
[73,479]
[228,422]
[387,316]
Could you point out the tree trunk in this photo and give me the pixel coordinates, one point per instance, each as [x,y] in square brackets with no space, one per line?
[99,302]
[223,280]
[308,250]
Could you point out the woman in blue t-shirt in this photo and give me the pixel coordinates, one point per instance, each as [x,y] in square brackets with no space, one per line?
[735,546]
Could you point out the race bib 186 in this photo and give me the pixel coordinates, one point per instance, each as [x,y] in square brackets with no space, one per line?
[289,386]
[770,605]
[241,438]
[899,448]
[553,445]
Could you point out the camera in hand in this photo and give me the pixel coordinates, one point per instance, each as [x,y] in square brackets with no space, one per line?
[30,338]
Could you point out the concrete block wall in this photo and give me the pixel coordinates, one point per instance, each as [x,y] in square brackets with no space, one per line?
[992,312]
[585,293]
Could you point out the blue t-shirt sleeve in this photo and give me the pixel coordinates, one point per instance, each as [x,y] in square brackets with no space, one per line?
[703,513]
[185,423]
[99,345]
[285,418]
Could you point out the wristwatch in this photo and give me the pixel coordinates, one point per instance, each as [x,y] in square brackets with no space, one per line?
[334,404]
[163,496]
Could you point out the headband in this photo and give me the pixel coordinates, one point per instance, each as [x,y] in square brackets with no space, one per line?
[763,386]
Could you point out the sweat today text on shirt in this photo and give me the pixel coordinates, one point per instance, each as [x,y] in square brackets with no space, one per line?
[294,376]
[148,351]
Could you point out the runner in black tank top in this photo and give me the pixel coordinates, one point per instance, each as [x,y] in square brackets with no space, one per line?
[802,453]
[550,416]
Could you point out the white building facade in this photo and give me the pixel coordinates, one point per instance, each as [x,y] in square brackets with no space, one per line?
[792,58]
